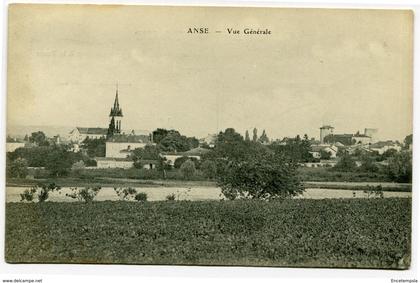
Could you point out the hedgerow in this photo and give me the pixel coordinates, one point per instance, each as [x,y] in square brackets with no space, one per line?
[367,233]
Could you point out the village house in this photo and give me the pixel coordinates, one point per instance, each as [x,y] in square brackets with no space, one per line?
[383,146]
[316,150]
[118,151]
[79,134]
[209,140]
[196,153]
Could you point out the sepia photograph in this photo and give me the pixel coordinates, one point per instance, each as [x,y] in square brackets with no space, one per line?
[210,136]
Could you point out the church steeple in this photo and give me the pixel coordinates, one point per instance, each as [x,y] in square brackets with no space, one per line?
[115,117]
[116,111]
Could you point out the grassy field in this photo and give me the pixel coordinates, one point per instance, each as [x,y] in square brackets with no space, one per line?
[367,233]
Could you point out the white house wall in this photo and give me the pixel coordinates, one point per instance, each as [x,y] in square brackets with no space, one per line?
[113,149]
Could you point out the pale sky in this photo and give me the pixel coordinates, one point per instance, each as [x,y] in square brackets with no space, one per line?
[348,68]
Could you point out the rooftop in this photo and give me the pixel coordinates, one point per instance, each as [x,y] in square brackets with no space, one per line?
[130,138]
[91,131]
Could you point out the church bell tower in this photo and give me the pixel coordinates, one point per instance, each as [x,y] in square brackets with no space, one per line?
[115,117]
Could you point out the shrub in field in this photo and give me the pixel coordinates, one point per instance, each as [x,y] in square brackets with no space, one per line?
[170,197]
[188,169]
[87,194]
[41,191]
[374,192]
[125,193]
[28,194]
[141,197]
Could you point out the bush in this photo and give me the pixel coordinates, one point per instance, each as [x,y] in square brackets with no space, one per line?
[188,169]
[87,194]
[141,197]
[78,167]
[399,168]
[42,191]
[17,168]
[345,164]
[28,194]
[374,192]
[265,176]
[90,163]
[179,161]
[125,193]
[209,169]
[170,197]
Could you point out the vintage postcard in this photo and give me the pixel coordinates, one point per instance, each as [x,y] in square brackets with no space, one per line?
[209,136]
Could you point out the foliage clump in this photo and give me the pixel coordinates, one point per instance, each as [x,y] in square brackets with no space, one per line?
[248,169]
[41,191]
[141,197]
[125,193]
[87,194]
[374,192]
[188,169]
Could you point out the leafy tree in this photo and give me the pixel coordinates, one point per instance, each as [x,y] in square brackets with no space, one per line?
[345,164]
[179,161]
[408,140]
[149,152]
[264,138]
[94,147]
[188,169]
[399,168]
[389,153]
[78,167]
[159,135]
[247,138]
[209,169]
[35,156]
[255,135]
[59,161]
[325,155]
[229,144]
[294,149]
[368,164]
[17,168]
[192,142]
[39,138]
[174,141]
[265,176]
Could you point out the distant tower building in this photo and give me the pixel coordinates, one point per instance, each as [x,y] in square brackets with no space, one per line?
[325,131]
[372,133]
[115,117]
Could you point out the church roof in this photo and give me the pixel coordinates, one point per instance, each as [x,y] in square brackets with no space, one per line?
[92,131]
